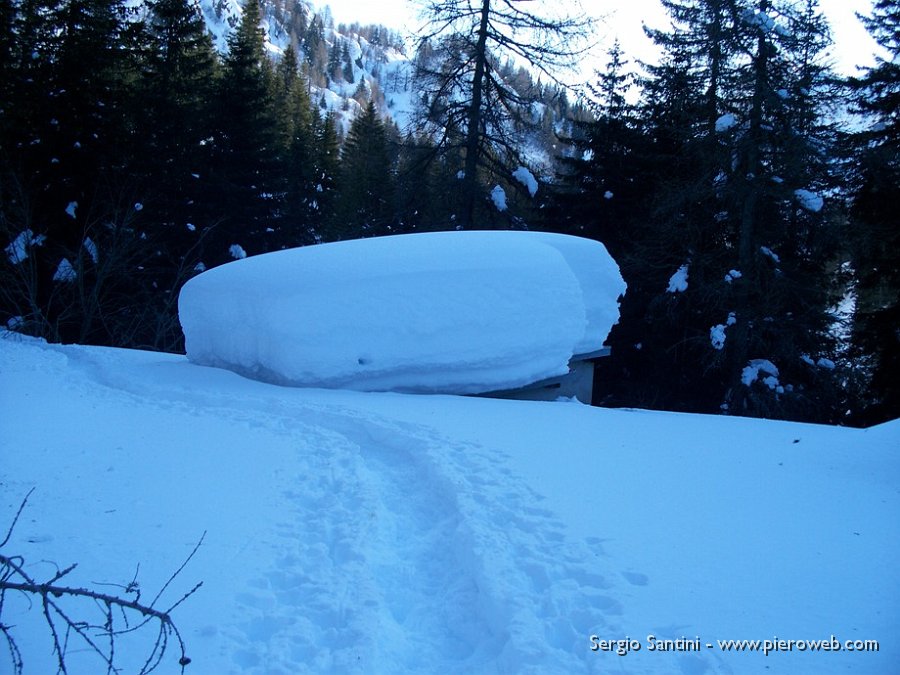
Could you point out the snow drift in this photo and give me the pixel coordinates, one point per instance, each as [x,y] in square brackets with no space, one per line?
[439,312]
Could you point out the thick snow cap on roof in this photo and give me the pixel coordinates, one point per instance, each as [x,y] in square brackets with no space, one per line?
[440,312]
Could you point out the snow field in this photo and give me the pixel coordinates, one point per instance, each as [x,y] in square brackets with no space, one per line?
[349,542]
[359,532]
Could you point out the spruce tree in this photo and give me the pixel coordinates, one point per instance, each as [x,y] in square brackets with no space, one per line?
[31,41]
[247,141]
[327,156]
[179,77]
[8,16]
[366,188]
[316,50]
[418,179]
[171,117]
[603,192]
[347,68]
[876,240]
[296,151]
[734,265]
[676,165]
[785,242]
[65,180]
[597,193]
[334,69]
[176,98]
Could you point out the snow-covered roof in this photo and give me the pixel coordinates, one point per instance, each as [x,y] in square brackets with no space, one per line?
[442,312]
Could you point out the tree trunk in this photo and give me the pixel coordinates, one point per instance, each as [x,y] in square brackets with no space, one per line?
[470,180]
[747,253]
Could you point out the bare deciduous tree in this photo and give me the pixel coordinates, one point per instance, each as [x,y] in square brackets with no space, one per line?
[478,111]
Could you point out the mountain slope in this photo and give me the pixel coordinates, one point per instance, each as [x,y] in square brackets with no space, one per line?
[347,65]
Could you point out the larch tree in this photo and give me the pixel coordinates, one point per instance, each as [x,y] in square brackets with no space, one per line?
[470,106]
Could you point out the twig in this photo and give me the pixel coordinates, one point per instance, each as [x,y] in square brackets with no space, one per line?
[14,654]
[13,577]
[16,519]
[178,571]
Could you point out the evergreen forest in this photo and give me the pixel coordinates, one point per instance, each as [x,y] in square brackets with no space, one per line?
[748,191]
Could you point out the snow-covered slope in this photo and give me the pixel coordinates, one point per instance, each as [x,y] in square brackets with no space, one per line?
[224,16]
[387,533]
[386,73]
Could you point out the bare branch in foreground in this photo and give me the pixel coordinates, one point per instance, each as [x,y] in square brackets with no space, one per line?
[119,614]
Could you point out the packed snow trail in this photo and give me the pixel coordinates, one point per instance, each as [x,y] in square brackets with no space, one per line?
[392,549]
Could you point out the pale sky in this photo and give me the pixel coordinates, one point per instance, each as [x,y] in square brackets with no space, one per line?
[623,19]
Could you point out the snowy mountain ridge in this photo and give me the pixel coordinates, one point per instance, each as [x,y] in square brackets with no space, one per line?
[382,70]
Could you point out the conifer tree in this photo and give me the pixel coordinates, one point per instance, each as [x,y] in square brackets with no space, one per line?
[32,45]
[734,264]
[783,239]
[8,17]
[668,200]
[179,78]
[327,168]
[247,143]
[294,109]
[316,50]
[347,68]
[176,97]
[598,194]
[603,192]
[334,68]
[171,112]
[86,131]
[876,228]
[64,179]
[297,150]
[366,186]
[419,178]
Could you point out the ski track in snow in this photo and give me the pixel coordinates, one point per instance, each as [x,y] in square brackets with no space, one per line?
[398,550]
